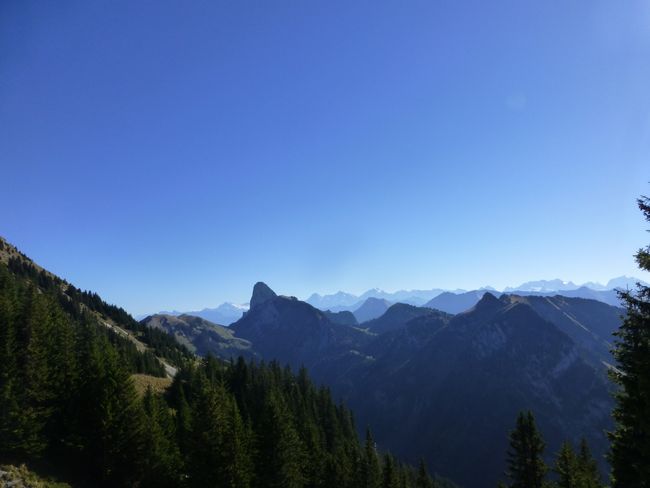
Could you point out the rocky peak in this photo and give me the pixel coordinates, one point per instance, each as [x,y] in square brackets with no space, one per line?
[261,293]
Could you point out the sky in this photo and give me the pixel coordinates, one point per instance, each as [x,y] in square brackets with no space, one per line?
[170,154]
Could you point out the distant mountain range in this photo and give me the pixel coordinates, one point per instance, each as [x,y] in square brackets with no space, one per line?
[451,301]
[445,385]
[225,314]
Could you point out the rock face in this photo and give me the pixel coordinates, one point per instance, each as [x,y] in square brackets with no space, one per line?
[261,294]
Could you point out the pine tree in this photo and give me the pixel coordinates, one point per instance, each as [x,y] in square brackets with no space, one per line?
[630,442]
[162,463]
[587,468]
[207,437]
[423,479]
[112,418]
[566,467]
[526,469]
[281,449]
[370,472]
[390,476]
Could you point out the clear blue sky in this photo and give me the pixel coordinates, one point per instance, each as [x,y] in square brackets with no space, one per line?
[170,154]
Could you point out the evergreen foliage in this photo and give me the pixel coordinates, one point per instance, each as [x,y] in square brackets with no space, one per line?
[526,468]
[630,442]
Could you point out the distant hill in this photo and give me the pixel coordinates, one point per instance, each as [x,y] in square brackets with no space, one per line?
[201,336]
[344,318]
[396,317]
[455,303]
[370,309]
[225,314]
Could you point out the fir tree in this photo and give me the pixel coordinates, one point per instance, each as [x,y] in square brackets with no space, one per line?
[390,476]
[630,441]
[423,479]
[566,467]
[370,471]
[587,467]
[526,469]
[162,463]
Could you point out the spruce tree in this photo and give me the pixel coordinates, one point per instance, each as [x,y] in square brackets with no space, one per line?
[566,467]
[162,463]
[526,468]
[423,479]
[587,468]
[390,476]
[630,442]
[370,471]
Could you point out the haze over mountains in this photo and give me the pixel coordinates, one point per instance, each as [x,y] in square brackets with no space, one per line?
[448,385]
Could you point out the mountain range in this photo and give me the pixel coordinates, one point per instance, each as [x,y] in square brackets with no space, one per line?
[452,301]
[449,385]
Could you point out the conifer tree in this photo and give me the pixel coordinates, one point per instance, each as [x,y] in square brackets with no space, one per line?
[587,467]
[162,464]
[423,479]
[390,477]
[526,468]
[112,424]
[566,467]
[630,441]
[281,450]
[370,471]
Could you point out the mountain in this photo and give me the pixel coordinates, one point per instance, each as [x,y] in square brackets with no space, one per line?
[201,336]
[413,297]
[454,382]
[396,317]
[371,308]
[343,318]
[225,314]
[338,299]
[342,301]
[624,282]
[609,297]
[543,286]
[292,331]
[455,303]
[589,323]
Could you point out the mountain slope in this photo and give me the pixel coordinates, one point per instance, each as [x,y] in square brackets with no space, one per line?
[456,386]
[201,336]
[455,303]
[396,317]
[589,323]
[371,308]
